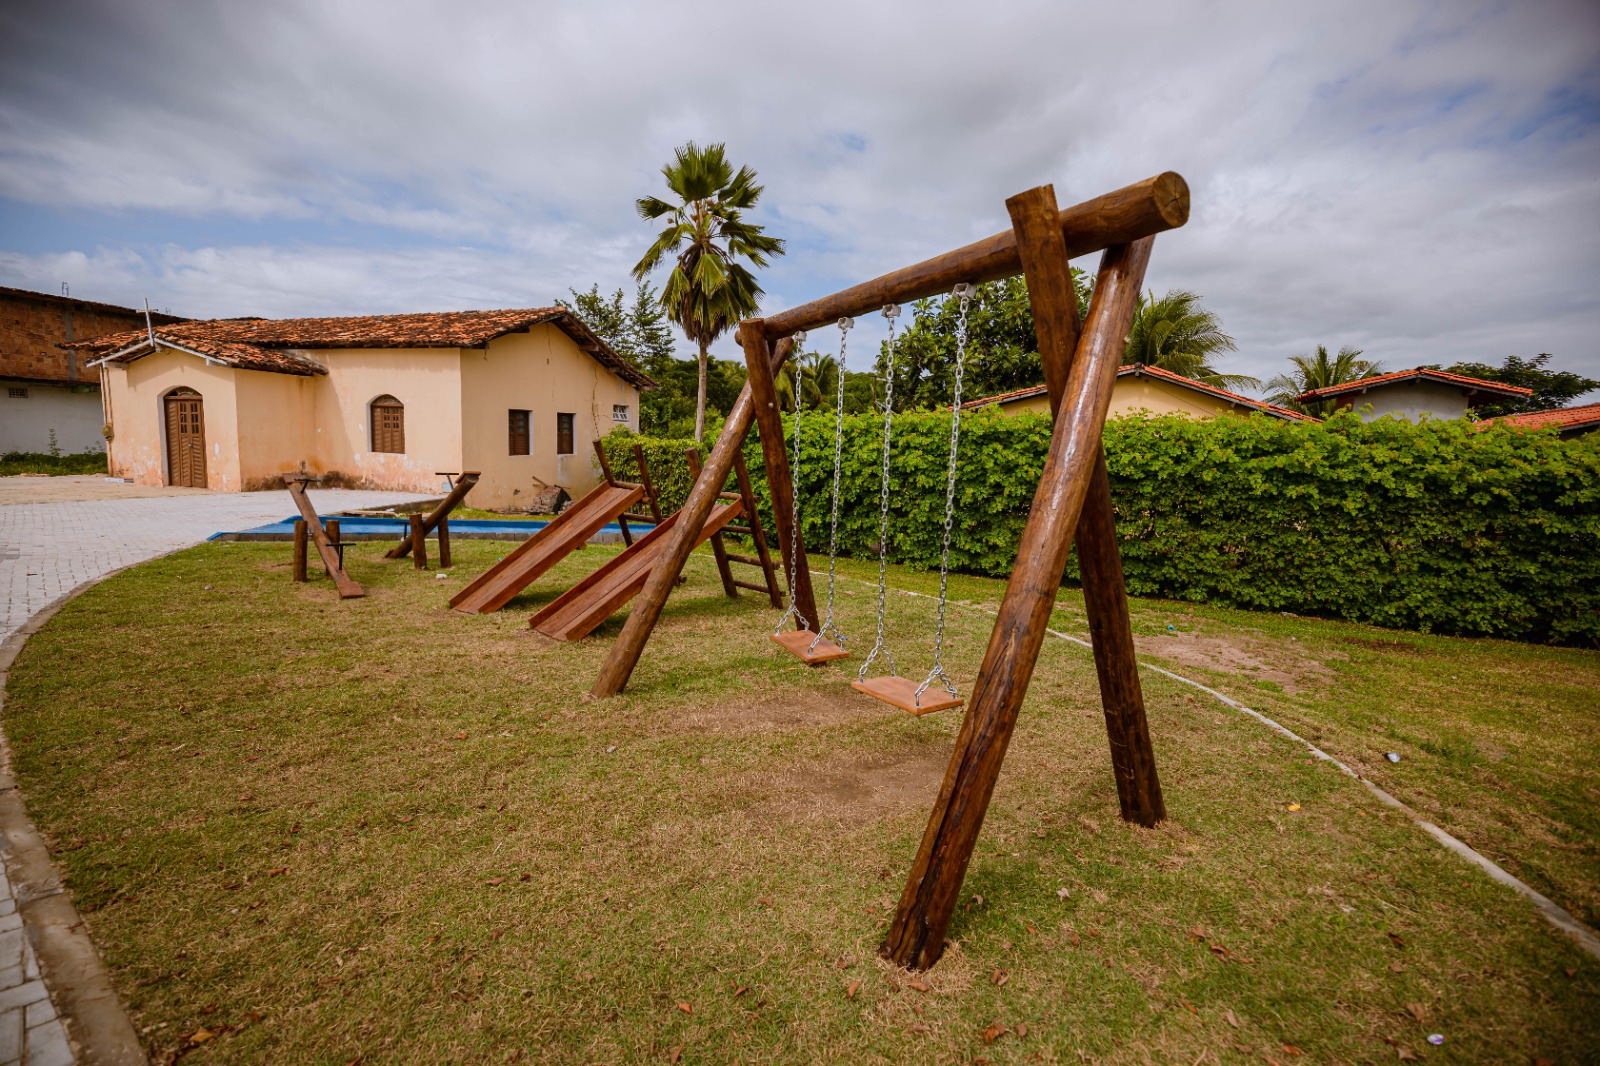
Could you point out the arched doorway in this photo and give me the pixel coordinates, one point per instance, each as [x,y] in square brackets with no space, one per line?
[186,439]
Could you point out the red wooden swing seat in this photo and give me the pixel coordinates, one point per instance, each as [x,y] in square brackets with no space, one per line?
[799,642]
[902,693]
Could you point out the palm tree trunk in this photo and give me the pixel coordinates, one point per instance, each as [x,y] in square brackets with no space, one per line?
[700,400]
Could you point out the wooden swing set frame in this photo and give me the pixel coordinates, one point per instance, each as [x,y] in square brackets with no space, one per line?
[1072,504]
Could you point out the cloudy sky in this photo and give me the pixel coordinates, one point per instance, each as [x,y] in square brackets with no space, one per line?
[1421,180]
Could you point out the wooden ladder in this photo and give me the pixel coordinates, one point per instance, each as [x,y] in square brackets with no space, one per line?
[752,529]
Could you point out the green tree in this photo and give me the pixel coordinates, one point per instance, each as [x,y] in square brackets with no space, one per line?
[1551,388]
[1319,371]
[1002,352]
[638,332]
[709,289]
[1174,332]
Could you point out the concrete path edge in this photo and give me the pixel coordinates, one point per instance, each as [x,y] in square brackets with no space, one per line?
[97,1025]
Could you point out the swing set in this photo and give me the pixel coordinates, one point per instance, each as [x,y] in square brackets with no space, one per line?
[1071,505]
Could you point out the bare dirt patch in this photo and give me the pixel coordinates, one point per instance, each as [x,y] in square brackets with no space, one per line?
[778,712]
[68,488]
[859,788]
[1258,659]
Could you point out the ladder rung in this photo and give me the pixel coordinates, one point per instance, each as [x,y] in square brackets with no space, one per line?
[630,516]
[753,588]
[748,560]
[745,530]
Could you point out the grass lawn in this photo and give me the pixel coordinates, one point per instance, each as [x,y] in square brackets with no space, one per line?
[307,830]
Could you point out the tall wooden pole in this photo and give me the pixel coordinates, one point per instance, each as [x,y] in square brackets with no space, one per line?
[680,541]
[762,369]
[916,939]
[1055,318]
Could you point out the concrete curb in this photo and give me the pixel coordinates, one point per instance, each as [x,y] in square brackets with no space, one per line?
[99,1029]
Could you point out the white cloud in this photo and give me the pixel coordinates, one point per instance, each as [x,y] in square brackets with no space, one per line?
[1411,178]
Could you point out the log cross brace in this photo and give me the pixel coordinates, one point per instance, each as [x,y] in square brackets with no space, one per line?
[440,514]
[331,560]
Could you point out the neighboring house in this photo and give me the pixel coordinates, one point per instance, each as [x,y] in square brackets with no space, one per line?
[378,401]
[48,391]
[1567,421]
[1149,388]
[1411,394]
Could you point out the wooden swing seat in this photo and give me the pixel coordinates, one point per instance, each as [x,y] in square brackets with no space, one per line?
[799,641]
[902,693]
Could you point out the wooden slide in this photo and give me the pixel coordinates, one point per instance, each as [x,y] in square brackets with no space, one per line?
[581,609]
[566,533]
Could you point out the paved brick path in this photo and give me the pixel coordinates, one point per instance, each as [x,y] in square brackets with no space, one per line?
[46,550]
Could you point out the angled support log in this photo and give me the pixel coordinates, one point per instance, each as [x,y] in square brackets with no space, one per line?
[1055,315]
[649,486]
[758,536]
[692,517]
[469,478]
[916,938]
[326,548]
[605,471]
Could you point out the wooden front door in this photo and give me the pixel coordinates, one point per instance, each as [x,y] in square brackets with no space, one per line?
[186,440]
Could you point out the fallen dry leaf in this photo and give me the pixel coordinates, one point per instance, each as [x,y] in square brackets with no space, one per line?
[201,1035]
[1398,941]
[919,984]
[461,736]
[741,990]
[1290,1049]
[850,993]
[999,977]
[921,1029]
[993,1032]
[846,961]
[525,877]
[277,871]
[1228,1014]
[686,1008]
[1294,806]
[1021,1030]
[977,901]
[675,1054]
[1405,1055]
[1417,1011]
[1397,967]
[495,881]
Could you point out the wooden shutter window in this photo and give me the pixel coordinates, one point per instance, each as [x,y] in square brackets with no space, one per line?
[388,425]
[564,434]
[519,433]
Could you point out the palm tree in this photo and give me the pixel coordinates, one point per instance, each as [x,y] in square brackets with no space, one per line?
[709,290]
[1318,372]
[819,380]
[1175,333]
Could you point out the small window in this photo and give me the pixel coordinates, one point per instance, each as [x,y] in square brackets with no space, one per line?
[519,432]
[18,393]
[564,434]
[388,425]
[619,412]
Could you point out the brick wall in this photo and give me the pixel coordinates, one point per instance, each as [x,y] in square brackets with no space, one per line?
[33,323]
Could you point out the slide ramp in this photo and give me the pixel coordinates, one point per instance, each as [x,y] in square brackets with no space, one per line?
[580,610]
[566,533]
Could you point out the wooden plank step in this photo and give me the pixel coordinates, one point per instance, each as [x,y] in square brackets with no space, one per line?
[579,611]
[566,533]
[901,692]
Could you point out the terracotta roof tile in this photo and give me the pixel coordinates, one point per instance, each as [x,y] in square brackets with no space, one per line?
[1142,370]
[1562,418]
[261,343]
[1421,373]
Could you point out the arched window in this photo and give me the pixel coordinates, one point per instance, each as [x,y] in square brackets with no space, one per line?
[388,425]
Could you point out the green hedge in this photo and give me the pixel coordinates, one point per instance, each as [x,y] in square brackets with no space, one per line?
[1435,527]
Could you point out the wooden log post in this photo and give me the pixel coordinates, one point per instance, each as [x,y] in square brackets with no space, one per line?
[605,471]
[762,370]
[468,478]
[419,543]
[444,543]
[680,542]
[719,548]
[326,539]
[649,486]
[916,938]
[332,526]
[299,549]
[1055,315]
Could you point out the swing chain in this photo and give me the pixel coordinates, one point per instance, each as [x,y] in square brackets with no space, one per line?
[845,325]
[794,497]
[890,312]
[964,293]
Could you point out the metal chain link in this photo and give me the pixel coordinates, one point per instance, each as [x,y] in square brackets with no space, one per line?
[845,326]
[963,292]
[794,497]
[890,312]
